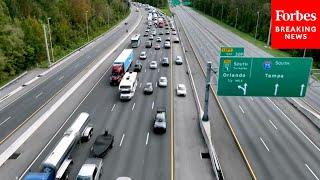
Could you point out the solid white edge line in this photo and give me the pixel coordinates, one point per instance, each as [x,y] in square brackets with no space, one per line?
[295,125]
[27,133]
[264,144]
[123,135]
[241,109]
[273,124]
[147,140]
[10,94]
[152,105]
[5,120]
[133,106]
[113,107]
[311,171]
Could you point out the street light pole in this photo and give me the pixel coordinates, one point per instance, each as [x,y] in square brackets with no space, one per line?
[269,34]
[46,41]
[304,52]
[87,25]
[48,19]
[221,13]
[206,98]
[235,26]
[255,36]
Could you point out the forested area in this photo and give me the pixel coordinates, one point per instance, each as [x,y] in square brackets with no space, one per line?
[247,10]
[22,44]
[155,3]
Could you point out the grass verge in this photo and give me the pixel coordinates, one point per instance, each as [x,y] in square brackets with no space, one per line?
[166,10]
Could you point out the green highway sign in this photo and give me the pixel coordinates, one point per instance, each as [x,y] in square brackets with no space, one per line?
[269,76]
[231,51]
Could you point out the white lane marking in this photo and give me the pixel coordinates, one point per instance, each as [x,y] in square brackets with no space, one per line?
[295,126]
[152,105]
[39,95]
[31,81]
[10,94]
[140,85]
[5,120]
[28,132]
[147,140]
[251,98]
[158,70]
[133,106]
[200,154]
[241,109]
[264,144]
[156,84]
[122,139]
[61,78]
[273,124]
[145,70]
[312,172]
[113,107]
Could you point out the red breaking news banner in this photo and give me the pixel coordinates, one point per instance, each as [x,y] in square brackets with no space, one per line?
[295,24]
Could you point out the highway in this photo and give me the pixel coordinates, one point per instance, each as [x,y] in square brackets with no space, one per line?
[279,142]
[17,112]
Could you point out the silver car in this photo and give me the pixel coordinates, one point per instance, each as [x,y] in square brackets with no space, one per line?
[160,123]
[153,65]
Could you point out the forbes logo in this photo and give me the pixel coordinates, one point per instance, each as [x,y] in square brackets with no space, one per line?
[281,15]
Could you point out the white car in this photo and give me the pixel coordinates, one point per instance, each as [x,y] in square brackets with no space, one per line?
[174,33]
[163,82]
[153,65]
[158,39]
[181,90]
[167,45]
[143,55]
[91,169]
[178,60]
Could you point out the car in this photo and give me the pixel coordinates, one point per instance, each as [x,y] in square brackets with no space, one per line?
[91,169]
[174,33]
[167,32]
[153,65]
[137,67]
[148,44]
[148,88]
[158,39]
[146,34]
[160,122]
[154,32]
[157,46]
[181,90]
[102,144]
[147,30]
[163,82]
[150,37]
[168,39]
[167,27]
[123,178]
[178,60]
[167,45]
[176,40]
[143,55]
[165,61]
[160,33]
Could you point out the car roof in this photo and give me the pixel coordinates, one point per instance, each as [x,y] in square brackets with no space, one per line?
[181,85]
[86,170]
[124,178]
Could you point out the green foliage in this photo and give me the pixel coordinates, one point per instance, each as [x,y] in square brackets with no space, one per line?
[227,10]
[155,3]
[22,43]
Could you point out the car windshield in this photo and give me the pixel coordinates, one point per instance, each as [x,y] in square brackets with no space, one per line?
[181,87]
[162,80]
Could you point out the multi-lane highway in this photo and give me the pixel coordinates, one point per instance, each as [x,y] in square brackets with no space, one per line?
[279,142]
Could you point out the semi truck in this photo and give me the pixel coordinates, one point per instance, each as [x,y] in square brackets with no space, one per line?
[57,163]
[120,66]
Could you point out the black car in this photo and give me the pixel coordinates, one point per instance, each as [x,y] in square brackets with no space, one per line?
[137,67]
[165,61]
[102,145]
